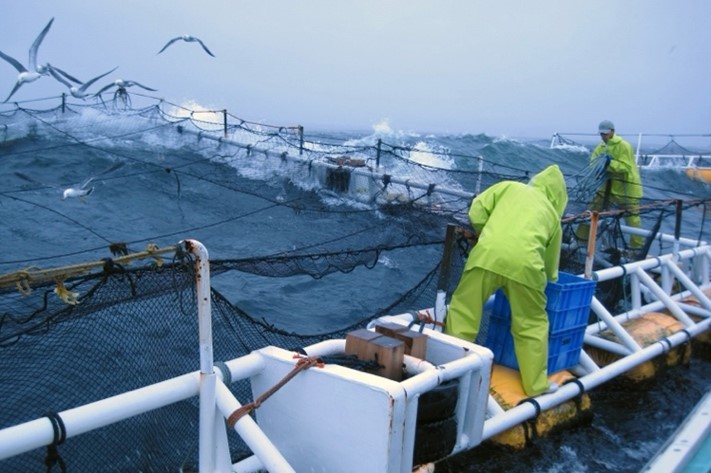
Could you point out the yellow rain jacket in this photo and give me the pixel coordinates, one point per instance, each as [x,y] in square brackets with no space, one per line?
[522,239]
[623,170]
[625,186]
[518,251]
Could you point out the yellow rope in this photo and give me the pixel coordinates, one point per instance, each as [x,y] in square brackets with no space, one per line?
[23,278]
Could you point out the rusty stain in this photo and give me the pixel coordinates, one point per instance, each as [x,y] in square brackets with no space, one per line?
[392,409]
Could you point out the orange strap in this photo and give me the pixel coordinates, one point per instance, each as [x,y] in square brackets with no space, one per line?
[304,362]
[425,317]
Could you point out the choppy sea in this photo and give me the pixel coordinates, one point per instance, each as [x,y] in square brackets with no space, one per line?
[164,191]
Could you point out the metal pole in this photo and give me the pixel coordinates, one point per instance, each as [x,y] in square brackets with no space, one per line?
[301,139]
[446,257]
[224,122]
[592,237]
[480,159]
[677,226]
[377,154]
[440,307]
[252,435]
[207,375]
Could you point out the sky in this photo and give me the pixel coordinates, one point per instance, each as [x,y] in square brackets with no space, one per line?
[514,68]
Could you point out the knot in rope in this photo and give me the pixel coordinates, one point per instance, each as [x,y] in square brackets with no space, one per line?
[152,248]
[423,316]
[112,267]
[23,283]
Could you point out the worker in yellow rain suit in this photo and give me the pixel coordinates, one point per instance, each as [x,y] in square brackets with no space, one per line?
[622,187]
[518,250]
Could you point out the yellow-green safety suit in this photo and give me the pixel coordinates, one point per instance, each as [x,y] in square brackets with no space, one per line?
[625,185]
[518,250]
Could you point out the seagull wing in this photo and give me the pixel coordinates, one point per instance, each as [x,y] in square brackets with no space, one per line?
[204,47]
[86,183]
[14,89]
[88,83]
[17,65]
[169,43]
[36,44]
[105,88]
[27,178]
[58,76]
[32,180]
[68,76]
[113,167]
[133,82]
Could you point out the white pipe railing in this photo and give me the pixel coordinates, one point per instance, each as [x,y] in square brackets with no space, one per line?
[629,343]
[207,440]
[39,433]
[250,432]
[664,237]
[639,278]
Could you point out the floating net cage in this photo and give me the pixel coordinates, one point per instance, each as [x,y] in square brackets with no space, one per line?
[83,322]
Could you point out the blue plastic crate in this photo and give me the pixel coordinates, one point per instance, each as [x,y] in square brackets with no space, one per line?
[567,305]
[563,347]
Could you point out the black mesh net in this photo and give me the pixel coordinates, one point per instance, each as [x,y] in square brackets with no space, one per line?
[131,328]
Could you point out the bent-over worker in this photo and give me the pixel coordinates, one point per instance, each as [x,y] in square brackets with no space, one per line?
[518,250]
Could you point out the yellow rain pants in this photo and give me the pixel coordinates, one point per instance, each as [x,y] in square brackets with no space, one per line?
[529,321]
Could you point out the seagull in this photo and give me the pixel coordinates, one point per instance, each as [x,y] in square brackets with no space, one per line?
[121,94]
[189,39]
[78,92]
[121,86]
[32,72]
[83,190]
[79,191]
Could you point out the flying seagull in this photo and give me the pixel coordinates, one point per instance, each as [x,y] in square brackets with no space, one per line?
[84,189]
[121,86]
[33,71]
[78,92]
[189,39]
[79,191]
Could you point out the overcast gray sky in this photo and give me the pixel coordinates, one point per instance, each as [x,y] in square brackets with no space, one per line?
[514,68]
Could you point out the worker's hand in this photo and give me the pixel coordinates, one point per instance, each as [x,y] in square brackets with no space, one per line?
[469,235]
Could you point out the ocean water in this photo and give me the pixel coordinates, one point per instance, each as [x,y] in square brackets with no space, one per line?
[239,204]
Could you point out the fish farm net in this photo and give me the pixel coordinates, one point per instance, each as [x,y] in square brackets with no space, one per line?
[78,325]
